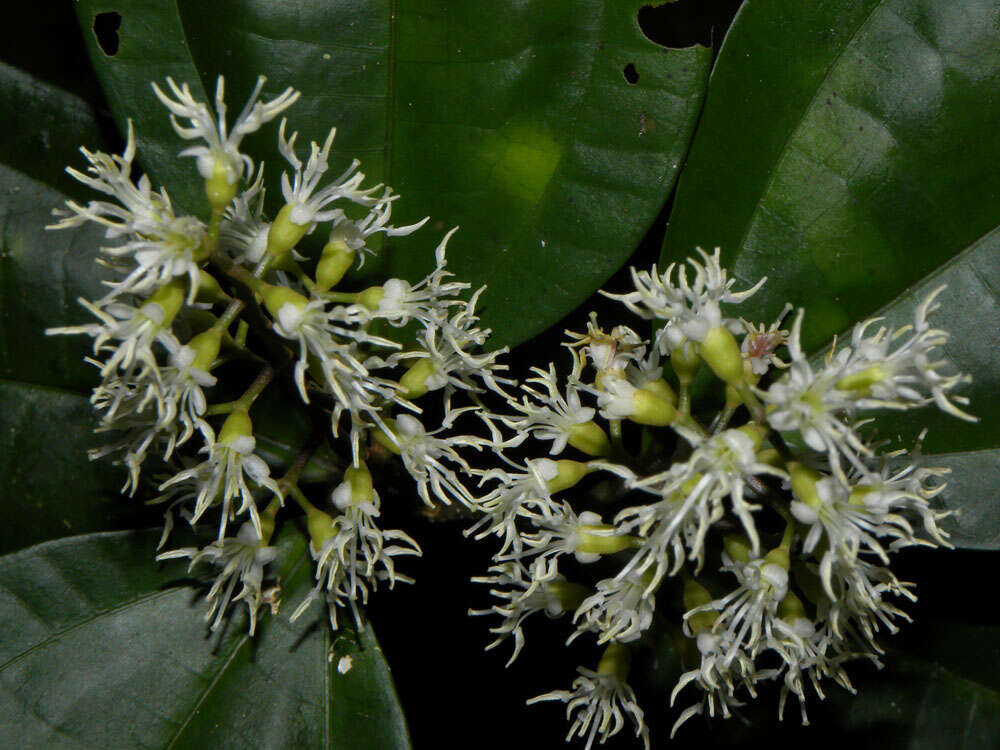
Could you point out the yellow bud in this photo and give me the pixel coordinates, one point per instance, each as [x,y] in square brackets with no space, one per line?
[237,425]
[334,262]
[861,382]
[414,380]
[276,297]
[209,289]
[217,187]
[590,438]
[360,480]
[169,298]
[284,234]
[685,361]
[804,484]
[652,410]
[370,297]
[661,388]
[737,547]
[721,353]
[569,473]
[615,661]
[206,348]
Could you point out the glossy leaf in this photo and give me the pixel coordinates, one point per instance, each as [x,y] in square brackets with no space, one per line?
[512,120]
[846,159]
[102,649]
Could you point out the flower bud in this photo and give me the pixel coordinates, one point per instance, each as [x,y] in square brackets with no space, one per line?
[696,595]
[685,361]
[737,548]
[163,305]
[721,353]
[355,489]
[590,438]
[209,289]
[237,430]
[861,382]
[370,297]
[334,262]
[615,661]
[284,233]
[206,347]
[218,188]
[568,473]
[277,297]
[569,595]
[803,481]
[662,389]
[419,379]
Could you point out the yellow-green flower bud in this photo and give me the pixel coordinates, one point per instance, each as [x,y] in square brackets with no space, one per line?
[615,661]
[778,556]
[570,595]
[652,410]
[276,297]
[414,380]
[737,547]
[360,480]
[284,234]
[755,432]
[209,289]
[661,388]
[206,347]
[685,361]
[384,439]
[335,261]
[568,474]
[804,484]
[721,353]
[861,382]
[320,526]
[237,425]
[590,438]
[791,608]
[370,297]
[163,305]
[859,493]
[598,539]
[696,595]
[218,188]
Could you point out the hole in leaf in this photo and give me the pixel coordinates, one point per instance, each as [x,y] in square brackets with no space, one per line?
[631,74]
[106,27]
[684,23]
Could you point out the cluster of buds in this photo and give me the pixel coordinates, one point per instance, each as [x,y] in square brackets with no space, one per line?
[227,303]
[759,538]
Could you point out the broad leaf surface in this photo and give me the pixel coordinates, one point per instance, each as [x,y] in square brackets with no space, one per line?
[512,120]
[848,158]
[105,649]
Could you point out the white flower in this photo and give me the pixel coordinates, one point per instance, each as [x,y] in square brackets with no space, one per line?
[223,477]
[355,234]
[242,559]
[356,555]
[759,343]
[222,145]
[517,495]
[620,610]
[243,230]
[300,192]
[427,301]
[601,700]
[693,495]
[608,353]
[721,672]
[554,416]
[522,594]
[809,402]
[124,338]
[158,246]
[690,310]
[424,455]
[563,532]
[897,368]
[746,613]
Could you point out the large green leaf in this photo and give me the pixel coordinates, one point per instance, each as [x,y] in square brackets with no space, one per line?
[849,159]
[511,119]
[101,649]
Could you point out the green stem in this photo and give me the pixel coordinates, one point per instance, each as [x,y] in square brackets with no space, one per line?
[263,379]
[752,402]
[684,399]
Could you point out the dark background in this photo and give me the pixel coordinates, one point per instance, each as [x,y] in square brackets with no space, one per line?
[451,689]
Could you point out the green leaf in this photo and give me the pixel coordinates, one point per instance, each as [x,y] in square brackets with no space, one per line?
[846,158]
[512,120]
[104,650]
[42,125]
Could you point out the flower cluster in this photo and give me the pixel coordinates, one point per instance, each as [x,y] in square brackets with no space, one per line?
[235,303]
[759,540]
